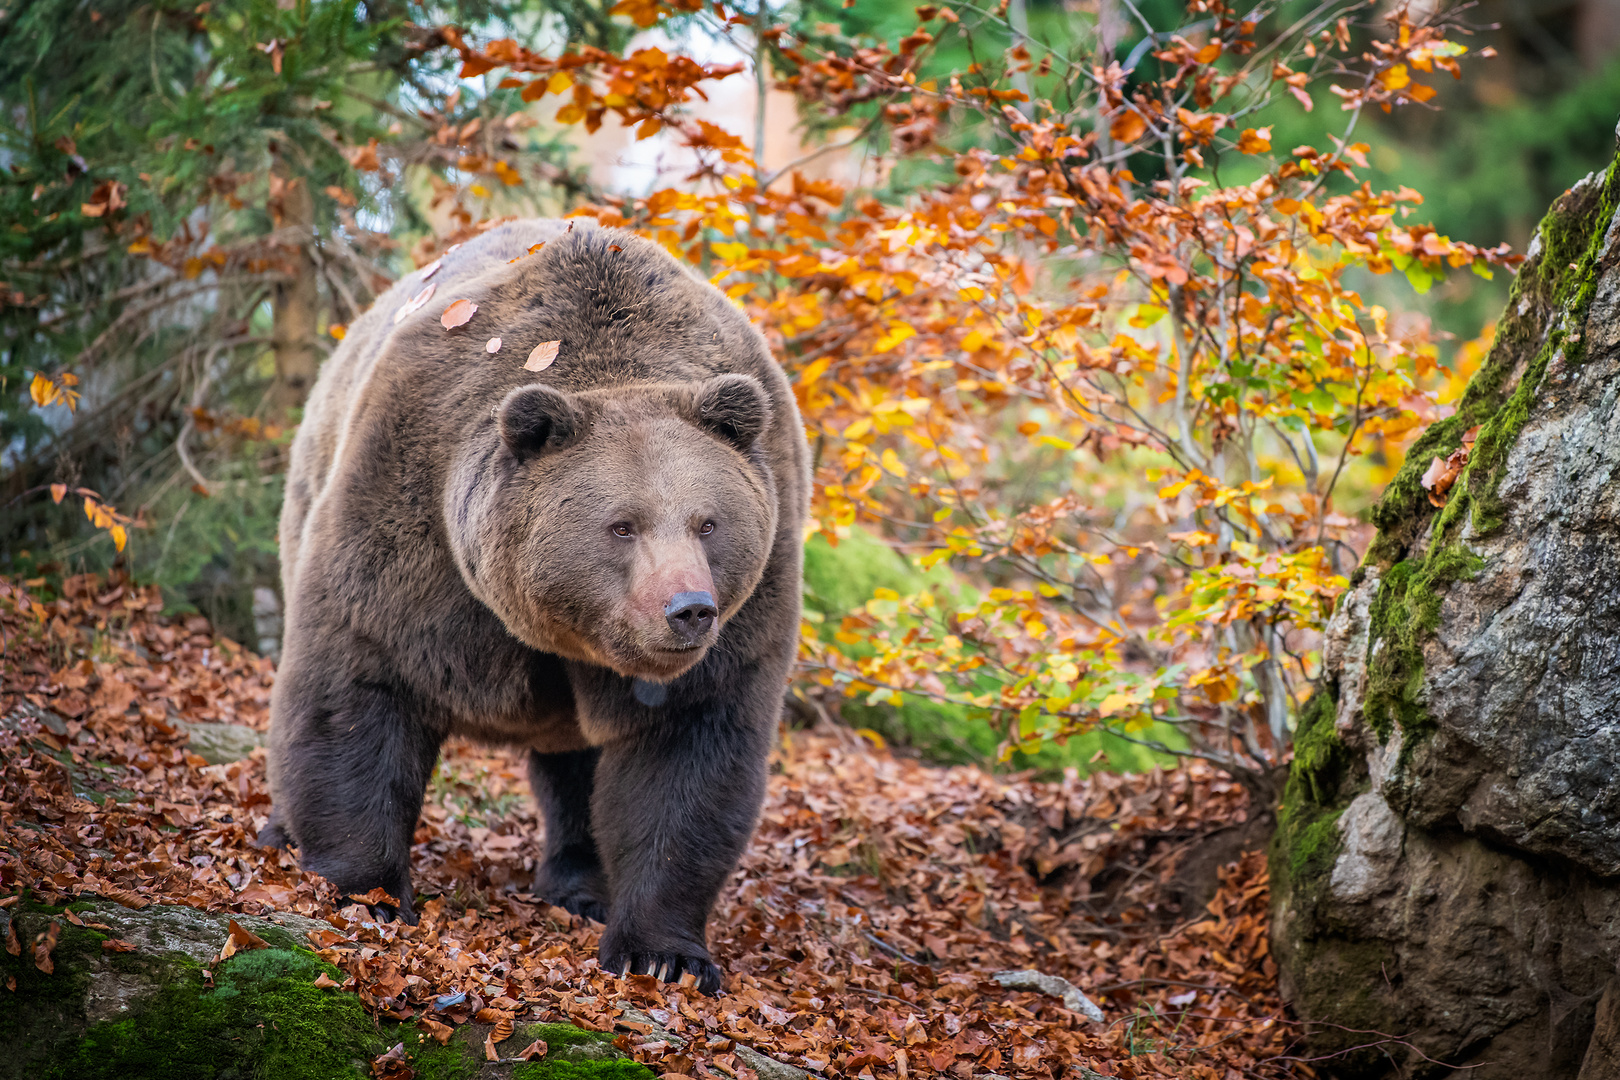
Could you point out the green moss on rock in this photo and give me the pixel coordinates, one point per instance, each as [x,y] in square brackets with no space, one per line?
[1421,551]
[1321,782]
[264,1017]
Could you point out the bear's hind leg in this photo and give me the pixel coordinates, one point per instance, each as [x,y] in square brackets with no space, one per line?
[571,875]
[349,769]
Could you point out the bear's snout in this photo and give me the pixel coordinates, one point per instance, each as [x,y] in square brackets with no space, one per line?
[691,615]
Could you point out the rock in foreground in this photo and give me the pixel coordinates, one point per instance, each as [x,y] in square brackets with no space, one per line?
[131,995]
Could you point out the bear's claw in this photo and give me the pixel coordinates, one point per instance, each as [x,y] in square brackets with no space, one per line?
[669,967]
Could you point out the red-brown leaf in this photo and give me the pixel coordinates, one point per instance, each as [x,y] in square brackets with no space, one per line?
[458,313]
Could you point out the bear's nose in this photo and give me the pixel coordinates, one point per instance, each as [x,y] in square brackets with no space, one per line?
[690,615]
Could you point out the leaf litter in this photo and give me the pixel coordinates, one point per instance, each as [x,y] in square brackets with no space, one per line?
[862,934]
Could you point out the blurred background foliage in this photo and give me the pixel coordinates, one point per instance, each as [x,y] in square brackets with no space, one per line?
[194,200]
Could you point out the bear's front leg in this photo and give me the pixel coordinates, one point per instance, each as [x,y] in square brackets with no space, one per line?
[349,765]
[673,809]
[571,875]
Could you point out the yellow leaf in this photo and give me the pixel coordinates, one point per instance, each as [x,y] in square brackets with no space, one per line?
[1394,78]
[42,390]
[119,537]
[1114,704]
[57,492]
[559,81]
[873,737]
[893,465]
[975,339]
[338,331]
[898,332]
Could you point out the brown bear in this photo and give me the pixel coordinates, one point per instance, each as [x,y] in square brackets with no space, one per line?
[599,562]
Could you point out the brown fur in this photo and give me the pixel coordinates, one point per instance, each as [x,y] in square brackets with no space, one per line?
[450,567]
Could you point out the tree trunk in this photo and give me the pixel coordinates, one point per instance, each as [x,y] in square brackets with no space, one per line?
[1447,865]
[297,302]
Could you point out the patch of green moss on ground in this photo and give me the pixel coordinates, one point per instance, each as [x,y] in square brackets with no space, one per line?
[264,1017]
[574,1053]
[434,1062]
[1406,610]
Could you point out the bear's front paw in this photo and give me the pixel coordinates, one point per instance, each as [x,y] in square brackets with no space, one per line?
[577,892]
[666,967]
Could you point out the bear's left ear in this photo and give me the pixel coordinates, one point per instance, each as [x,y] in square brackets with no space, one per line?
[735,408]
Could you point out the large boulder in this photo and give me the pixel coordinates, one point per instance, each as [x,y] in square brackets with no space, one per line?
[1447,866]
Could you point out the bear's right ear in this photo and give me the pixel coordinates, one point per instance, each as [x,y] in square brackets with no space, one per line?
[537,419]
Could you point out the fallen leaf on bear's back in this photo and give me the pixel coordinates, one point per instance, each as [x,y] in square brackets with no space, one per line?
[457,314]
[541,356]
[492,346]
[414,303]
[430,269]
[241,940]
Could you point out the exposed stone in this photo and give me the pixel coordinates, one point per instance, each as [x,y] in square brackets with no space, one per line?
[1447,863]
[1073,999]
[220,744]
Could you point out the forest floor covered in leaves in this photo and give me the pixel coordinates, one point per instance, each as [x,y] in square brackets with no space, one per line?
[858,937]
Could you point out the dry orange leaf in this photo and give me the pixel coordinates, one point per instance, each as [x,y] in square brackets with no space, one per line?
[113,944]
[326,982]
[457,314]
[440,1032]
[414,303]
[534,1050]
[393,1065]
[1127,127]
[43,944]
[241,940]
[541,356]
[431,268]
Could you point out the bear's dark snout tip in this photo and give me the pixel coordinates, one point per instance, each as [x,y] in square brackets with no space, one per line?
[691,615]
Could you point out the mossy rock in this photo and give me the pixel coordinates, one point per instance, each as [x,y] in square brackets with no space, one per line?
[169,1011]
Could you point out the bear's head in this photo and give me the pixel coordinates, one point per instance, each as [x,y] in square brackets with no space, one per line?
[621,527]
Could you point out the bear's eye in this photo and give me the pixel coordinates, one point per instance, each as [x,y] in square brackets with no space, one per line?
[623,529]
[706,529]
